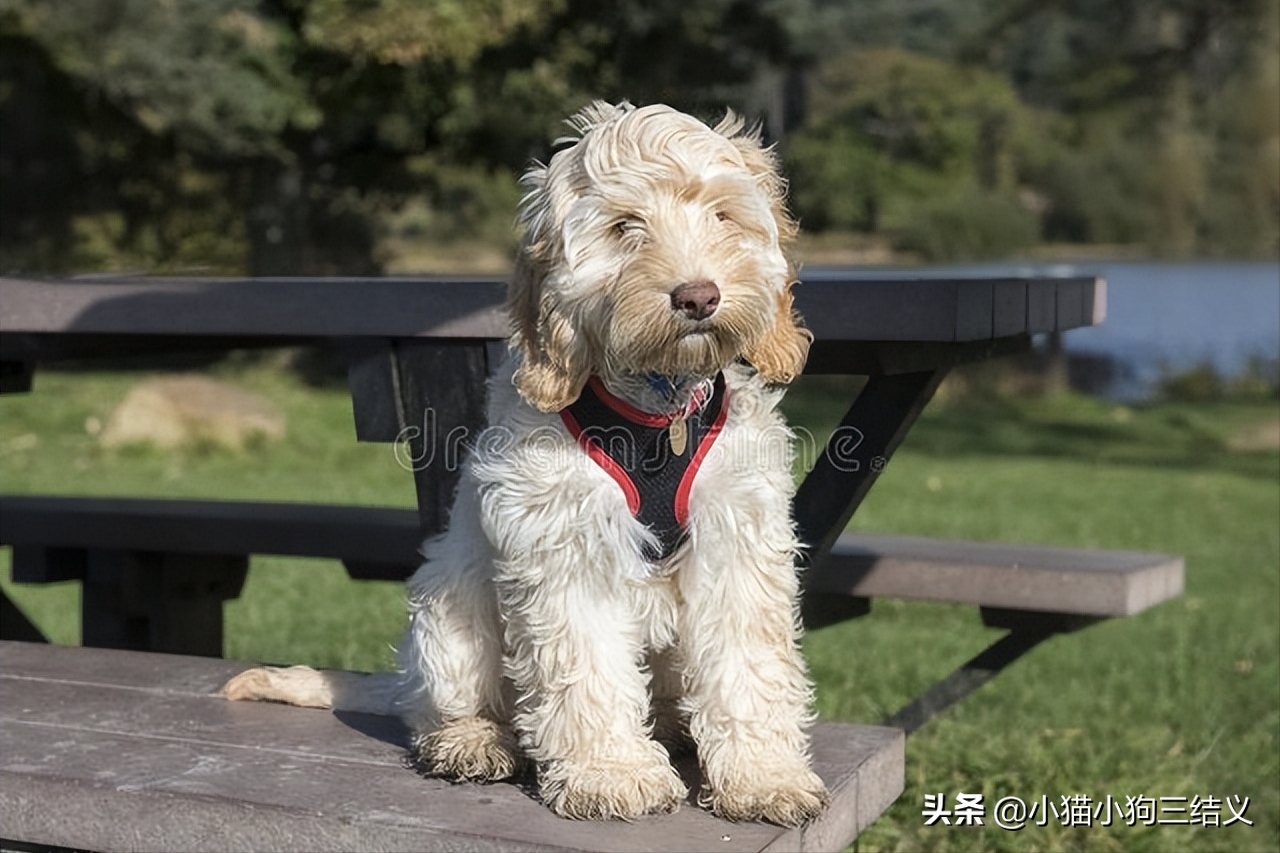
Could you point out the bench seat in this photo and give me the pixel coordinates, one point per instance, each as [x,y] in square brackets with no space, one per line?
[47,531]
[1075,581]
[382,543]
[119,750]
[209,541]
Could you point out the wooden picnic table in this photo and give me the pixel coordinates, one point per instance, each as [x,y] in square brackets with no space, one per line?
[419,345]
[426,344]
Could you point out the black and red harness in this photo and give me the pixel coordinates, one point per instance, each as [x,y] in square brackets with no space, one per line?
[653,458]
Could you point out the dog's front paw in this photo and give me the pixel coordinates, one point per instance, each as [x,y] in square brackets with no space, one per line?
[612,789]
[470,749]
[787,799]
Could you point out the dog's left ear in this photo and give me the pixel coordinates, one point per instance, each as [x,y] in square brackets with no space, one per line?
[780,355]
[553,359]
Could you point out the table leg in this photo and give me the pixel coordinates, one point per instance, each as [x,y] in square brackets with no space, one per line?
[158,602]
[429,398]
[1026,630]
[856,453]
[976,672]
[15,625]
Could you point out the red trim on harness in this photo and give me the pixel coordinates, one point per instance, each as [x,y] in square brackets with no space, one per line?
[604,460]
[625,409]
[639,416]
[704,447]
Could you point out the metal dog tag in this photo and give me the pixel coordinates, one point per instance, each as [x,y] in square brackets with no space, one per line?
[679,436]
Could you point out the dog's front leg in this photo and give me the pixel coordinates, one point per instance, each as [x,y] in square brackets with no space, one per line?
[748,692]
[575,653]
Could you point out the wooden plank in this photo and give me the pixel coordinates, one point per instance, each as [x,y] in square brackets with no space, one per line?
[975,310]
[1042,306]
[126,750]
[1009,308]
[1070,304]
[1095,303]
[838,304]
[1016,577]
[1093,582]
[368,534]
[467,307]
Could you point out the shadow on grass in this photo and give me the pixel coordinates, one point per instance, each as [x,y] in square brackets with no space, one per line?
[1189,436]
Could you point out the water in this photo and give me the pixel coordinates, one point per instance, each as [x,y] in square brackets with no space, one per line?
[1164,317]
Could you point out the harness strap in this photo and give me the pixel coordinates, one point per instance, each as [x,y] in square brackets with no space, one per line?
[636,449]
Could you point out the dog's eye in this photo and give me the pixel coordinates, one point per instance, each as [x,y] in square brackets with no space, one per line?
[721,216]
[628,227]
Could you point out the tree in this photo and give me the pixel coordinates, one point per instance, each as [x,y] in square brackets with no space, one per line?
[895,138]
[1161,98]
[309,121]
[298,116]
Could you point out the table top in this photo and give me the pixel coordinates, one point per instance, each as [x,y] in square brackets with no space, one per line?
[863,322]
[839,304]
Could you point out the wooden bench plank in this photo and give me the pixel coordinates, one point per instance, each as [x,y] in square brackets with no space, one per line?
[358,533]
[1087,582]
[125,750]
[385,540]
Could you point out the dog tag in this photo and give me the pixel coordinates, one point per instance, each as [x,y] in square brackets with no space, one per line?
[679,436]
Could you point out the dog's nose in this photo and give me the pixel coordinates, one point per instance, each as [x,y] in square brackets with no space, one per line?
[697,300]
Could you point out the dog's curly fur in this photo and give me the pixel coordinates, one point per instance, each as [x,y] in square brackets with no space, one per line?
[539,630]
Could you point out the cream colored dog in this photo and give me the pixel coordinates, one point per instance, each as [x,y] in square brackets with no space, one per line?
[582,610]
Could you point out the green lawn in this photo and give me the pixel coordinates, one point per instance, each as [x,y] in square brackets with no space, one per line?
[1181,701]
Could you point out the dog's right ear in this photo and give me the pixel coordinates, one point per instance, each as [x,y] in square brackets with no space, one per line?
[553,361]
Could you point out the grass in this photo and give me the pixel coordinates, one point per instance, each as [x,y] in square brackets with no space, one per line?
[1180,701]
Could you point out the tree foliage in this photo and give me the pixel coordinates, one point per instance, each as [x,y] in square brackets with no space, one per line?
[283,136]
[1151,125]
[888,127]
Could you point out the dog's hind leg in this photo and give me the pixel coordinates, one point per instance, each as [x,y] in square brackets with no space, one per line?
[451,659]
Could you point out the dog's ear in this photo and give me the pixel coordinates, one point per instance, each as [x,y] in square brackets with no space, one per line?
[553,364]
[780,355]
[762,163]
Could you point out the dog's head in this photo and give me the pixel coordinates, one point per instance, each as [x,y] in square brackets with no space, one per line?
[653,244]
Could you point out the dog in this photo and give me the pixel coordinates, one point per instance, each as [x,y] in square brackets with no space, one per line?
[618,579]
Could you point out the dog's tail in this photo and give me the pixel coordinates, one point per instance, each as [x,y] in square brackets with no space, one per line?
[370,693]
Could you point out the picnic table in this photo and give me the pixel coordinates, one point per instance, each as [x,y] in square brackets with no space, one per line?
[156,573]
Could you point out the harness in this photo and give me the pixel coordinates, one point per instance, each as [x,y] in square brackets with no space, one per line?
[653,458]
